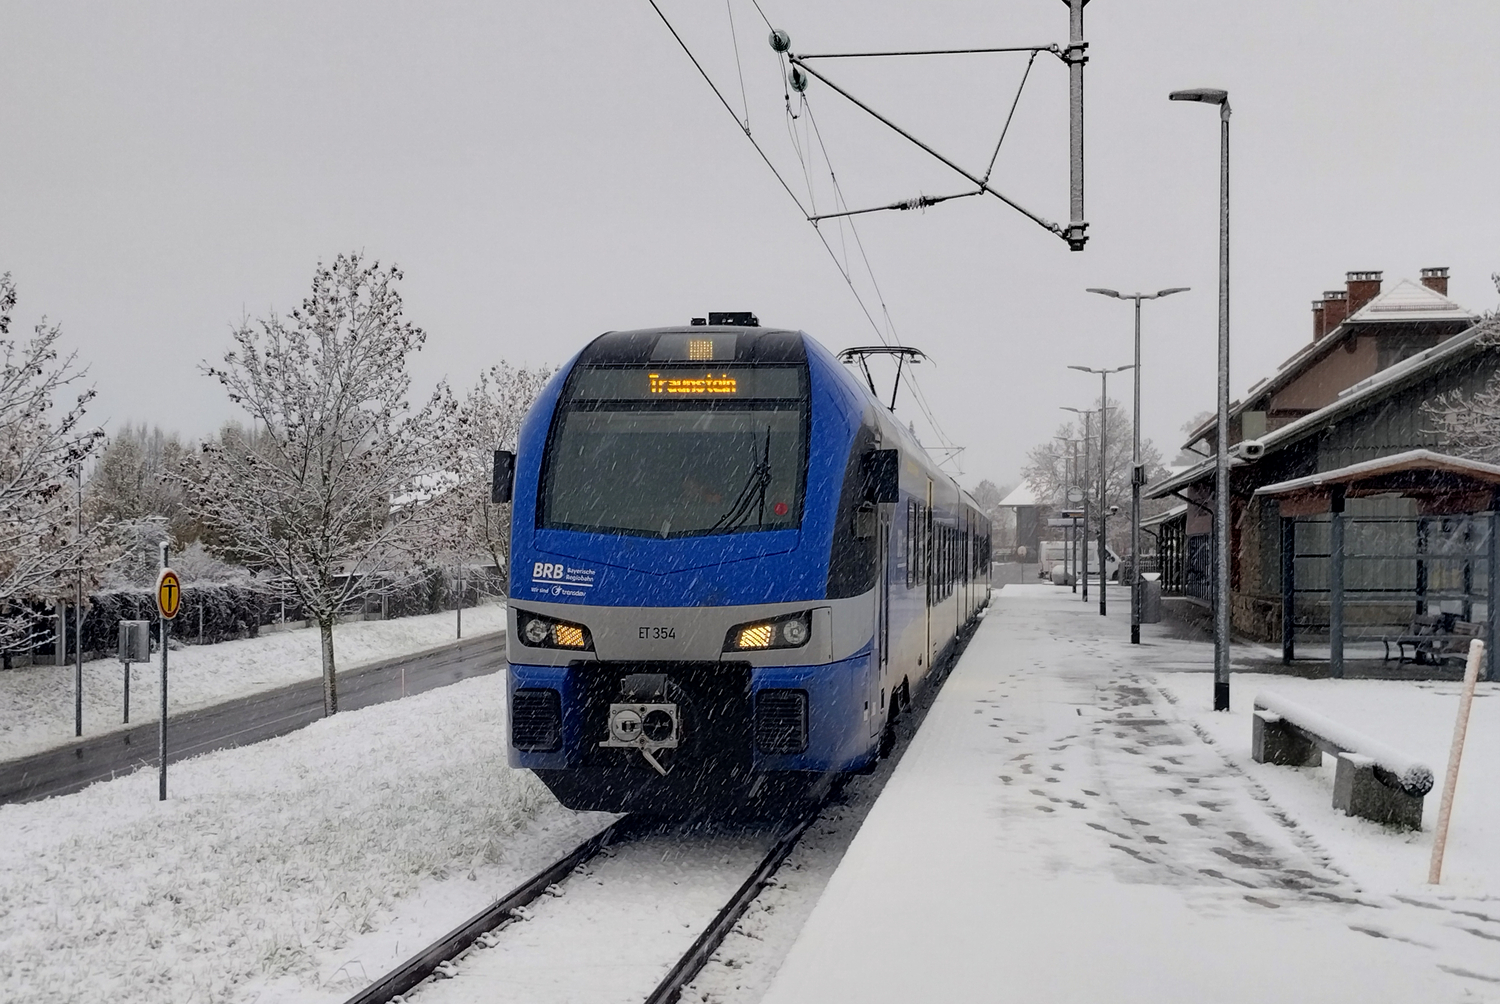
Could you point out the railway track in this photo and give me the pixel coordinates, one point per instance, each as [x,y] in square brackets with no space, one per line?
[426,974]
[474,964]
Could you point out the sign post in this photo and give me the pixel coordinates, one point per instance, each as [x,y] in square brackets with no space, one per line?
[168,602]
[134,646]
[1075,497]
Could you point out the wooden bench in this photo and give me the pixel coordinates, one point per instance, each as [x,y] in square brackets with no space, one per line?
[1433,638]
[1422,630]
[1372,780]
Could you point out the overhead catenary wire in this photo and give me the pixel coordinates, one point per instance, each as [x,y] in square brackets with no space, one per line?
[1008,118]
[802,150]
[714,87]
[734,37]
[911,381]
[1056,50]
[925,148]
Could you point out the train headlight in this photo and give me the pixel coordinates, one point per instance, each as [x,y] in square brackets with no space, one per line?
[755,636]
[782,632]
[544,632]
[567,635]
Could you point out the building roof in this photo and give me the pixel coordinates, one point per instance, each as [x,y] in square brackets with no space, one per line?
[1406,302]
[1023,495]
[1440,481]
[1409,301]
[1186,476]
[1164,517]
[1414,369]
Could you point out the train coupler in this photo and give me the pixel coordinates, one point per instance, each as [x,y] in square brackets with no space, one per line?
[646,718]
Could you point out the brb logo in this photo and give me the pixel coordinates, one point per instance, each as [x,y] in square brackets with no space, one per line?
[547,570]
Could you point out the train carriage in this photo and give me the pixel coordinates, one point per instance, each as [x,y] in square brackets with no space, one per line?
[730,566]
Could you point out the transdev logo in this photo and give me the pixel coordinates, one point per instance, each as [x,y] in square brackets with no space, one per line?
[552,578]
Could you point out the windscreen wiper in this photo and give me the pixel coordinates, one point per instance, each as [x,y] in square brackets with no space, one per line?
[752,497]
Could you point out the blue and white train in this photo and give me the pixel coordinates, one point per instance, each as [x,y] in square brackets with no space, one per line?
[730,568]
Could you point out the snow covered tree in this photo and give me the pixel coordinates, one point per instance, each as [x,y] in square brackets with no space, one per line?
[1050,465]
[325,489]
[41,452]
[488,419]
[135,487]
[132,479]
[1468,425]
[1186,457]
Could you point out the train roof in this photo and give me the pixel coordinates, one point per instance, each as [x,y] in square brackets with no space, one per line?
[720,343]
[744,344]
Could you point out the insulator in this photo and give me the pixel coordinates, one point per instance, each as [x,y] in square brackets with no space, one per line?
[780,40]
[798,79]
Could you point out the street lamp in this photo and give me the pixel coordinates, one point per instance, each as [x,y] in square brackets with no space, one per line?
[1103,469]
[1083,537]
[1221,456]
[1137,475]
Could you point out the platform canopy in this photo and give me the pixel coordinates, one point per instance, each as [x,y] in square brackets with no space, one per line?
[1441,484]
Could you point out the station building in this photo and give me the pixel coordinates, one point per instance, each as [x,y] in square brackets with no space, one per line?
[1363,388]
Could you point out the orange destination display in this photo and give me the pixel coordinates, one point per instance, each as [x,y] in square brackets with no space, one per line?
[706,384]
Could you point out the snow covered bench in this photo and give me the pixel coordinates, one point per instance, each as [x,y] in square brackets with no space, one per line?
[1372,780]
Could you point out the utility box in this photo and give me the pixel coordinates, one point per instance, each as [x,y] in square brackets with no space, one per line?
[1151,598]
[135,641]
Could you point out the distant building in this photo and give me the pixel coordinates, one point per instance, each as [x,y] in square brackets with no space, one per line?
[1028,521]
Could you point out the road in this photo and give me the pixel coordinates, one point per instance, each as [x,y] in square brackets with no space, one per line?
[244,720]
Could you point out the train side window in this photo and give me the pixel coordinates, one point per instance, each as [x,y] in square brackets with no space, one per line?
[911,542]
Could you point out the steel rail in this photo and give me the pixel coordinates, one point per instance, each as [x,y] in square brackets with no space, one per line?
[422,965]
[693,960]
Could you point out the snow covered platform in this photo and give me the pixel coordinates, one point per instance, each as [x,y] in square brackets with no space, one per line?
[1072,823]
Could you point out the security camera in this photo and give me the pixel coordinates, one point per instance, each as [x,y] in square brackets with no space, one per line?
[1252,449]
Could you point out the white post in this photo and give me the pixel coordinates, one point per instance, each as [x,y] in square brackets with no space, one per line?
[1460,729]
[161,727]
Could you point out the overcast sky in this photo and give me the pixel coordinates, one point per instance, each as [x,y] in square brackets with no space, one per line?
[545,172]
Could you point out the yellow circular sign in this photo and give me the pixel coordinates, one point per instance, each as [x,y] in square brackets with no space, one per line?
[168,594]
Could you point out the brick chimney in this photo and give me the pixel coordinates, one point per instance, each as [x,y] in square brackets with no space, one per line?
[1436,279]
[1335,308]
[1363,287]
[1318,330]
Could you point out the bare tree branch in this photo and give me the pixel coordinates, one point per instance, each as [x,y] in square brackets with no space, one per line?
[40,454]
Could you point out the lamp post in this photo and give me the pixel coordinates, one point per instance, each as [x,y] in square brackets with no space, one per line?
[1221,455]
[1103,470]
[1137,475]
[1083,536]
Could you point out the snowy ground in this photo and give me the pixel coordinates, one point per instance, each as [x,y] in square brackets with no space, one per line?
[36,702]
[1417,719]
[293,870]
[1072,823]
[1066,827]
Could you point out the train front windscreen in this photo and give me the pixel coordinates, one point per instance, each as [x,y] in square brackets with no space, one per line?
[677,451]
